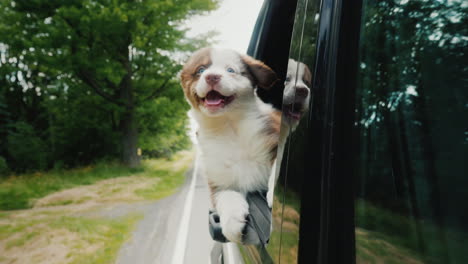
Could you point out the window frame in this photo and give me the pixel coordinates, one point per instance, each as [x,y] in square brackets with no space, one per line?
[327,212]
[327,202]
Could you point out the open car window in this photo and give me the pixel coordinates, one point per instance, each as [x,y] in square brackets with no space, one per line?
[298,99]
[410,133]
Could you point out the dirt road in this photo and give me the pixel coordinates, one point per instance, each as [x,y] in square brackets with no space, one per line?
[159,235]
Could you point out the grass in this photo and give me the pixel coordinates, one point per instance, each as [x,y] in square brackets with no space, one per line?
[20,191]
[22,239]
[292,198]
[289,235]
[372,247]
[15,227]
[170,173]
[289,246]
[110,233]
[398,234]
[79,237]
[87,240]
[383,235]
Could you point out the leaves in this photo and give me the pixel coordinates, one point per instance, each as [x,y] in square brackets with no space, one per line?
[70,69]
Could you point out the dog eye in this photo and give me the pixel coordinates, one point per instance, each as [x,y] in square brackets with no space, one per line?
[288,79]
[231,70]
[201,70]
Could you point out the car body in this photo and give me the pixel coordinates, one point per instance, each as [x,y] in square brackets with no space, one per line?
[376,171]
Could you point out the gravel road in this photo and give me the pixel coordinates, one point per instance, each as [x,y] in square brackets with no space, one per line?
[154,238]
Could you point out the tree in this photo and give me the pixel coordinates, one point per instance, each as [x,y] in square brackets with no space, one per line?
[410,99]
[124,51]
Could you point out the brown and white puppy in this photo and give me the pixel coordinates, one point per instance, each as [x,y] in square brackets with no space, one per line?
[296,95]
[237,132]
[296,99]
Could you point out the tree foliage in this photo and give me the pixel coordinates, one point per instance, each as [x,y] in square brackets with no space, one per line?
[411,98]
[412,79]
[89,77]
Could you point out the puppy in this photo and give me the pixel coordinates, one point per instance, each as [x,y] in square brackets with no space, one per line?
[296,95]
[296,99]
[237,133]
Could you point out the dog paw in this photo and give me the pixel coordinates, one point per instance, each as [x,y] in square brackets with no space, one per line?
[233,211]
[234,226]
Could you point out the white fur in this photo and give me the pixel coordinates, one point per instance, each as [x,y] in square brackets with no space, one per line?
[233,210]
[295,74]
[234,153]
[230,83]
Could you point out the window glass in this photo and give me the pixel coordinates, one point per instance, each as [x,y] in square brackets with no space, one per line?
[297,98]
[411,133]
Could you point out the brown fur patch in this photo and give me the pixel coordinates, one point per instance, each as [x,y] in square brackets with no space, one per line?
[307,78]
[259,73]
[213,190]
[189,76]
[273,131]
[275,117]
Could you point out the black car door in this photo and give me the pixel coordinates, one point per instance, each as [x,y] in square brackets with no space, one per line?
[375,172]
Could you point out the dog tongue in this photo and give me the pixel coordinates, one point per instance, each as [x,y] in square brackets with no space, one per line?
[213,98]
[295,115]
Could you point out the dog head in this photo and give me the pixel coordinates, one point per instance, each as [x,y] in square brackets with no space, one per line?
[216,81]
[296,94]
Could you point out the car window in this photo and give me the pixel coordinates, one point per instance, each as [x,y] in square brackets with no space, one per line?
[297,98]
[411,133]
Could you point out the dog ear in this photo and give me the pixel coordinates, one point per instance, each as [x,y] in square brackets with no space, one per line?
[263,76]
[307,75]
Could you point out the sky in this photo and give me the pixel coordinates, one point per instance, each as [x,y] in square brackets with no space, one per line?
[234,20]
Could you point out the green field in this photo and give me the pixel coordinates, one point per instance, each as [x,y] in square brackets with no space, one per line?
[383,236]
[21,191]
[56,214]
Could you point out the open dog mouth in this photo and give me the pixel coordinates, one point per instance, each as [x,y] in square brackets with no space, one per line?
[216,100]
[293,110]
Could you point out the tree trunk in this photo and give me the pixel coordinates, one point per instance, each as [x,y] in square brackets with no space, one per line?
[128,124]
[129,133]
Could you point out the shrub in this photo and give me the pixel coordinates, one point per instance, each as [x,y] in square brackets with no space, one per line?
[27,150]
[3,166]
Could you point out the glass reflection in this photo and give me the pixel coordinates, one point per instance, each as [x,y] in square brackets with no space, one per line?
[412,143]
[296,100]
[297,97]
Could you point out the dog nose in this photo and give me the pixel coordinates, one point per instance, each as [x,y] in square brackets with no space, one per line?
[302,91]
[213,79]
